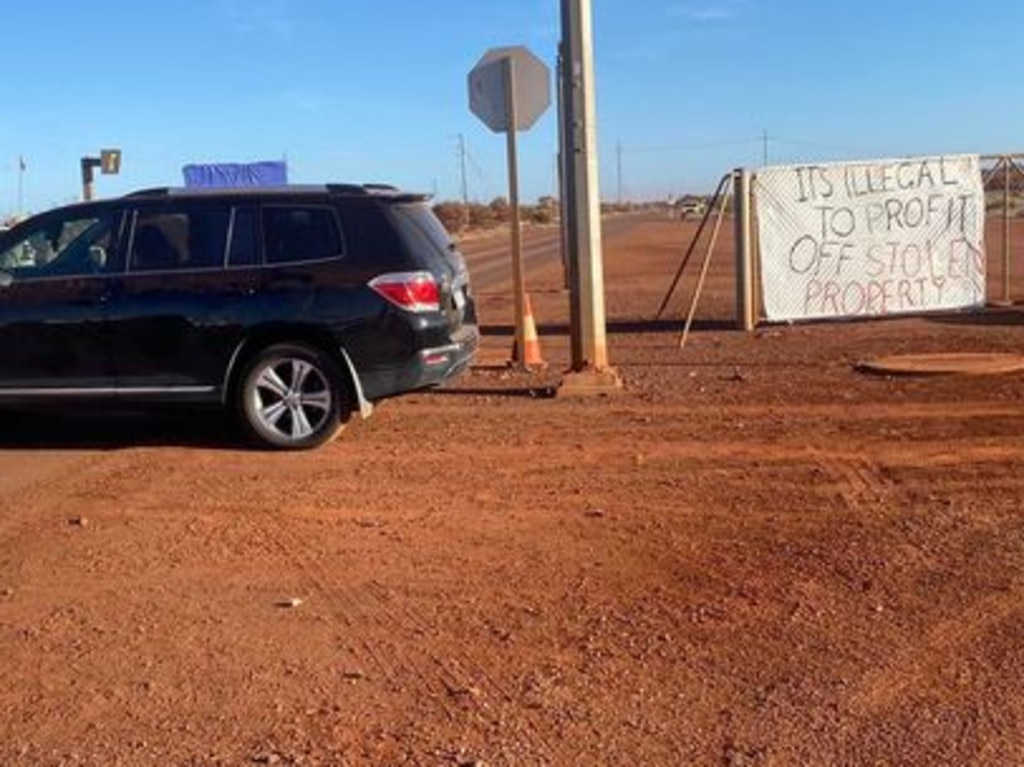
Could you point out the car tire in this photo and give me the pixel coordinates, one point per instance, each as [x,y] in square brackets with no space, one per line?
[292,397]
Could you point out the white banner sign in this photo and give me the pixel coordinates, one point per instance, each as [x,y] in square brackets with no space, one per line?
[871,238]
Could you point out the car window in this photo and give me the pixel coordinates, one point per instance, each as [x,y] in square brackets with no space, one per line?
[424,232]
[179,239]
[244,240]
[417,218]
[370,237]
[293,233]
[63,247]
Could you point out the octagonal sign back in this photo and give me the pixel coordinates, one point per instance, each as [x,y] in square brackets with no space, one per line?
[487,85]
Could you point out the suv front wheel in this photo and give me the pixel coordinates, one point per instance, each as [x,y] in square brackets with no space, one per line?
[292,397]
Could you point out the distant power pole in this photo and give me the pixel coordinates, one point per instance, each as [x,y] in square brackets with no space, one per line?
[618,170]
[462,170]
[764,155]
[21,184]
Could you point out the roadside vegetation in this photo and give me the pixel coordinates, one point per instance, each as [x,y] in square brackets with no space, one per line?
[474,217]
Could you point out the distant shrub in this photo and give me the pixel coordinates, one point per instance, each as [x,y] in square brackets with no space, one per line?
[501,209]
[482,217]
[454,216]
[459,217]
[538,214]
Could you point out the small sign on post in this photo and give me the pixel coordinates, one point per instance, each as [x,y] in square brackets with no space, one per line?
[109,163]
[509,90]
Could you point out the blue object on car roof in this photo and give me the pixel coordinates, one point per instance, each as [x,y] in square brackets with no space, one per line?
[232,175]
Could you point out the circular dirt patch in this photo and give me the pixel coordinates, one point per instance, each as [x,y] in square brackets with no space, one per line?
[944,364]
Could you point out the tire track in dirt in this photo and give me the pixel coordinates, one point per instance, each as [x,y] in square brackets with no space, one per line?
[910,669]
[466,678]
[861,483]
[849,411]
[46,489]
[36,501]
[864,486]
[385,640]
[368,645]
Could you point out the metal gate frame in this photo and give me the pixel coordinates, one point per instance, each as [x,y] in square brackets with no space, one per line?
[996,179]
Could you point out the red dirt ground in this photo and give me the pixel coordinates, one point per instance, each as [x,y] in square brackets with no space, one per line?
[753,555]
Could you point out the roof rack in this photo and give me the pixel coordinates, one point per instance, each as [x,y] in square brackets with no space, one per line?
[347,189]
[156,191]
[363,190]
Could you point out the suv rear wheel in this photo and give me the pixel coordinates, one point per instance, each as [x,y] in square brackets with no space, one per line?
[292,397]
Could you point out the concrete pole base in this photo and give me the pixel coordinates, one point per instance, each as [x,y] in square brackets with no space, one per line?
[590,383]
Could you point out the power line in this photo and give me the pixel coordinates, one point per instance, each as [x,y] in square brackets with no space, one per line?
[814,145]
[693,146]
[764,141]
[480,173]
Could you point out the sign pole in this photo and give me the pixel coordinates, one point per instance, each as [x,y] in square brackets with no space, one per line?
[518,280]
[509,89]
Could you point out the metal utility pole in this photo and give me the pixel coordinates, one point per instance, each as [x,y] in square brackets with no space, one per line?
[21,185]
[590,372]
[462,169]
[618,171]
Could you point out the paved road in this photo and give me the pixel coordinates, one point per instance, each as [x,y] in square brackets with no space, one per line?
[490,261]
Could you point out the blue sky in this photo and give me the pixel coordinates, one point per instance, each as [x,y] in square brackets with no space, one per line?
[355,90]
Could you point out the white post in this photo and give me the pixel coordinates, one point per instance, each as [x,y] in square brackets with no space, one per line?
[745,318]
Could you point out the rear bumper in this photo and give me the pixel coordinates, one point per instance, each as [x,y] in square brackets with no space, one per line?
[428,367]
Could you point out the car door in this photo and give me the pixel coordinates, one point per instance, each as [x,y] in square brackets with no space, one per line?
[189,293]
[56,272]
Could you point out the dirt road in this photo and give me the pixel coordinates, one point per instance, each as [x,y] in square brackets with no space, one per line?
[754,555]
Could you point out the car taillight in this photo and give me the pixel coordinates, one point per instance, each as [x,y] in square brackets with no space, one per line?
[412,291]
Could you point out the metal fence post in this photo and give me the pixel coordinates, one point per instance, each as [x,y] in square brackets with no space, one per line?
[1007,166]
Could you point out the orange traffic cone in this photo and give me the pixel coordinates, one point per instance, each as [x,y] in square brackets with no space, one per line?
[531,352]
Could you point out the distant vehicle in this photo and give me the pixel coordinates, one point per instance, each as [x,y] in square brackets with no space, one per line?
[691,208]
[294,307]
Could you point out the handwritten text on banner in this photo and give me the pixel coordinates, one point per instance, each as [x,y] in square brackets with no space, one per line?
[871,238]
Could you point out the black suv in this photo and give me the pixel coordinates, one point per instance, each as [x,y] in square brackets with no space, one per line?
[294,306]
